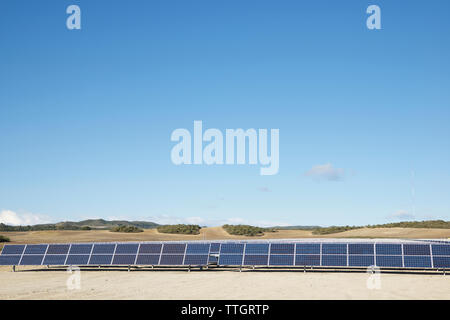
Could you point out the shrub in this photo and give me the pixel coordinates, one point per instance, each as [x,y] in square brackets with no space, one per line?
[127,229]
[180,229]
[246,230]
[4,239]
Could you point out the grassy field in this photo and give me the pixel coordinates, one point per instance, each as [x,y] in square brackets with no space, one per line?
[214,233]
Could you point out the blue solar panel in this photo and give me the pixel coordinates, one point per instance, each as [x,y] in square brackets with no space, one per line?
[441,249]
[103,249]
[150,248]
[257,248]
[388,249]
[124,259]
[389,261]
[100,259]
[55,259]
[360,260]
[148,259]
[58,249]
[256,260]
[10,260]
[334,248]
[282,248]
[36,249]
[172,259]
[307,260]
[416,249]
[334,260]
[197,248]
[196,259]
[80,249]
[31,260]
[441,262]
[77,260]
[230,260]
[128,248]
[13,249]
[417,261]
[215,247]
[307,248]
[174,248]
[212,259]
[228,248]
[360,248]
[281,260]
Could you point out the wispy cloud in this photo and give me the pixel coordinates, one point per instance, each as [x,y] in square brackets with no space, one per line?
[401,215]
[325,172]
[264,189]
[15,219]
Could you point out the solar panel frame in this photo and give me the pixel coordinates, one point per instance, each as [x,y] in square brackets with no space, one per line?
[13,249]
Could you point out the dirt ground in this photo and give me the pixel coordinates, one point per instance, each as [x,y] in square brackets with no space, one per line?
[215,233]
[211,284]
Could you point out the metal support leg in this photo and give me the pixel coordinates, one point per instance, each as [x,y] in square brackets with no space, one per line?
[189,268]
[240,268]
[13,268]
[128,268]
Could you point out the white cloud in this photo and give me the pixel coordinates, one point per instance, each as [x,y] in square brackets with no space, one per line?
[264,189]
[15,219]
[401,215]
[325,172]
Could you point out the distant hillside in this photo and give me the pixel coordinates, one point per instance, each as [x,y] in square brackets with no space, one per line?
[81,225]
[296,227]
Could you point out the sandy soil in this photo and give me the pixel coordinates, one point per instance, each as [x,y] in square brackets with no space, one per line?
[219,285]
[214,233]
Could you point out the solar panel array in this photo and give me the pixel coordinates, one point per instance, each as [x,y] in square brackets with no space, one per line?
[324,254]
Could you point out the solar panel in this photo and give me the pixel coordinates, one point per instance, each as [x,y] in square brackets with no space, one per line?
[416,249]
[417,261]
[389,261]
[307,248]
[124,259]
[196,259]
[281,260]
[174,248]
[441,262]
[230,259]
[36,249]
[286,253]
[172,259]
[388,249]
[334,248]
[13,249]
[229,248]
[55,259]
[361,260]
[282,248]
[128,248]
[58,249]
[215,247]
[77,260]
[104,248]
[256,260]
[9,260]
[80,249]
[360,248]
[147,259]
[150,248]
[334,260]
[32,260]
[197,248]
[100,259]
[307,260]
[257,248]
[441,249]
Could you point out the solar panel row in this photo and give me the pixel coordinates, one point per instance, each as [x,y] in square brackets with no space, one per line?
[232,254]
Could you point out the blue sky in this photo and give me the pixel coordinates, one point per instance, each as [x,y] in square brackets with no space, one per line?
[86,115]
